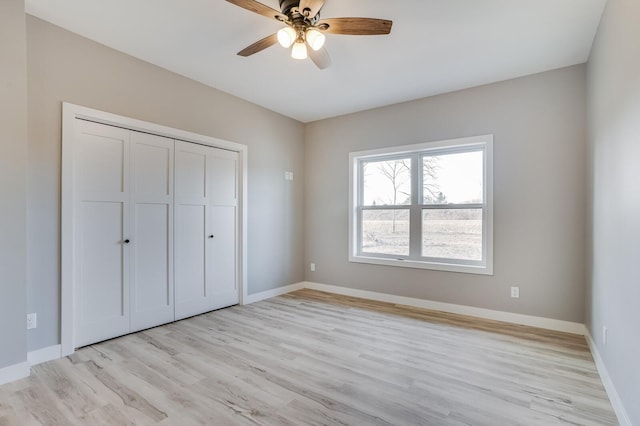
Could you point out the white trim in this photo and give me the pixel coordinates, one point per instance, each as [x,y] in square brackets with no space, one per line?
[14,372]
[43,355]
[67,220]
[532,321]
[242,205]
[614,397]
[256,297]
[70,113]
[434,266]
[510,317]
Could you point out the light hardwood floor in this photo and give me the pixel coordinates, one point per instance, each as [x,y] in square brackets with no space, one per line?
[315,358]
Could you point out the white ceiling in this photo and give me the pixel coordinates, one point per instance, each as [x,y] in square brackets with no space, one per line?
[435,46]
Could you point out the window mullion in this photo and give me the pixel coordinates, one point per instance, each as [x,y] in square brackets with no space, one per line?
[360,202]
[415,220]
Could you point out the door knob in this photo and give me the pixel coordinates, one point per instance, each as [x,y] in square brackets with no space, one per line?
[127,241]
[211,236]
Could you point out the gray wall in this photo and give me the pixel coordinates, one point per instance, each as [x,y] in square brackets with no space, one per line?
[539,171]
[613,284]
[65,67]
[13,182]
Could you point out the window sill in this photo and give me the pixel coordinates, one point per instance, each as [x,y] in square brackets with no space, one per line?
[436,266]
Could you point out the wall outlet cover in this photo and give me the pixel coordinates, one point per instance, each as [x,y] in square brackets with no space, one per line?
[32,321]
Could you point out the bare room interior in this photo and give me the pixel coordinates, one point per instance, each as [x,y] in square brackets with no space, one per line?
[323,212]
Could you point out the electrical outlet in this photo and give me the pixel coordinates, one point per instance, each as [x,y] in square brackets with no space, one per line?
[32,321]
[312,267]
[515,292]
[604,335]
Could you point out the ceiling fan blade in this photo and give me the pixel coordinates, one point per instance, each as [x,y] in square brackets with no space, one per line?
[259,45]
[356,26]
[258,8]
[320,57]
[314,6]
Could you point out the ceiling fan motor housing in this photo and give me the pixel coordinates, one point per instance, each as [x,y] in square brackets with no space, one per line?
[286,5]
[290,9]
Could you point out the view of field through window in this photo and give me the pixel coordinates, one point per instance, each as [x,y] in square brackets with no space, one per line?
[449,180]
[452,233]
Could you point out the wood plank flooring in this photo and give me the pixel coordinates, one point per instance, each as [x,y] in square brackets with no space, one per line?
[319,359]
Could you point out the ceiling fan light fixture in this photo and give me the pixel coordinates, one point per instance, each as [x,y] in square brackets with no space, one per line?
[305,29]
[286,37]
[299,50]
[315,39]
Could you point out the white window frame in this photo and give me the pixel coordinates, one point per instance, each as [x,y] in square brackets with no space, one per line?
[415,260]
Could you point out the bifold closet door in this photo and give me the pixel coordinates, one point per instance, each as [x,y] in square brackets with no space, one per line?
[101,249]
[205,229]
[223,205]
[152,231]
[192,282]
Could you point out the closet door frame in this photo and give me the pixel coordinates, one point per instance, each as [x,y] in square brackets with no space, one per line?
[71,113]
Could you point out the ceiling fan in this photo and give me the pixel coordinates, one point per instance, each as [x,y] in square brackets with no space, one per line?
[304,28]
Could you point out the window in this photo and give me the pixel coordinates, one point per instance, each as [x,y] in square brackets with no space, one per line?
[424,206]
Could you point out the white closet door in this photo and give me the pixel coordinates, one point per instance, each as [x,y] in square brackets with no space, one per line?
[205,229]
[101,252]
[152,231]
[222,249]
[192,283]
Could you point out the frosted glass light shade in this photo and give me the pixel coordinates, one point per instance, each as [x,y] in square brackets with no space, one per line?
[286,36]
[299,51]
[315,39]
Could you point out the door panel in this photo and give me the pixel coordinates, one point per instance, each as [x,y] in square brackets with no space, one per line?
[206,199]
[223,257]
[153,158]
[223,178]
[223,188]
[191,162]
[152,298]
[101,264]
[152,231]
[102,162]
[190,259]
[102,272]
[191,224]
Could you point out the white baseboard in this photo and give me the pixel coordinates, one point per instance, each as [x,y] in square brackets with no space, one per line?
[43,355]
[252,298]
[614,397]
[533,321]
[14,372]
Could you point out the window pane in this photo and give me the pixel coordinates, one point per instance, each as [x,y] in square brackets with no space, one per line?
[387,182]
[452,178]
[385,231]
[452,233]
